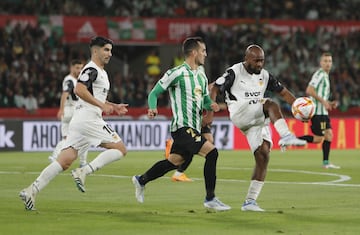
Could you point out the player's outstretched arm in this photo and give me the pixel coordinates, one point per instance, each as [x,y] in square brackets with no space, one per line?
[287,96]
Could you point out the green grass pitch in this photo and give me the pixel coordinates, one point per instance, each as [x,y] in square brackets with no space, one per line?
[299,197]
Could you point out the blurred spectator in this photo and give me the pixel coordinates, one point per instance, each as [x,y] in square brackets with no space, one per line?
[152,63]
[31,104]
[178,59]
[19,99]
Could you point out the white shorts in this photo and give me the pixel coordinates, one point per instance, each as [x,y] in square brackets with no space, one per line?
[250,119]
[255,136]
[86,133]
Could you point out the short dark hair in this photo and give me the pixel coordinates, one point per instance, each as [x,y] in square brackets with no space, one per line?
[326,54]
[190,44]
[75,62]
[100,41]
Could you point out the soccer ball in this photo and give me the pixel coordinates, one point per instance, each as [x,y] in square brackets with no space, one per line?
[303,108]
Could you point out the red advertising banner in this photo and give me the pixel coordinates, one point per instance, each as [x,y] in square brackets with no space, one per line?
[346,134]
[12,20]
[162,30]
[81,29]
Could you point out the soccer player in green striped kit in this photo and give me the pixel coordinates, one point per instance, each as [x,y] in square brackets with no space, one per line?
[188,90]
[319,91]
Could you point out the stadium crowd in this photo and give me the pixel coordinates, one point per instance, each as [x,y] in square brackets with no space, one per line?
[288,9]
[32,64]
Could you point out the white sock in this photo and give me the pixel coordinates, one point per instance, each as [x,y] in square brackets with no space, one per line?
[254,189]
[46,176]
[83,158]
[281,127]
[104,158]
[57,149]
[178,173]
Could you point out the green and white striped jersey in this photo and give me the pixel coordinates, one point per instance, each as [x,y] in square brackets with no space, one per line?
[321,82]
[189,95]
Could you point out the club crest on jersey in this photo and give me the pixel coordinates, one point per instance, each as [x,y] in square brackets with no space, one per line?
[198,92]
[261,82]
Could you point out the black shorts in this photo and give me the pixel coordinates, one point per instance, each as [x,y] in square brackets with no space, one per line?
[206,129]
[319,123]
[187,142]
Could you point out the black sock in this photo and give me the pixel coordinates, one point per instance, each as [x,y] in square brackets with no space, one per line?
[326,150]
[308,138]
[157,170]
[210,173]
[185,165]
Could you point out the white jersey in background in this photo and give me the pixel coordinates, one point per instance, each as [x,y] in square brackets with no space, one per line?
[68,85]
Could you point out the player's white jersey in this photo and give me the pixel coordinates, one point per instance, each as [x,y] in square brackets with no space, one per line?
[68,85]
[249,87]
[244,94]
[97,82]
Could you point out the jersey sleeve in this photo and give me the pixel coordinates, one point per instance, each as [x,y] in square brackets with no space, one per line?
[315,80]
[274,85]
[168,78]
[88,76]
[153,95]
[69,87]
[225,81]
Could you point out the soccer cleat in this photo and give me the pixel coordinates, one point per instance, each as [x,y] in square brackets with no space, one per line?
[79,177]
[181,178]
[290,139]
[216,204]
[168,145]
[52,158]
[251,205]
[139,189]
[331,166]
[28,197]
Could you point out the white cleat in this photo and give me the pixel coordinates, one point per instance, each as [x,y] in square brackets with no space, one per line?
[216,204]
[251,205]
[79,177]
[290,140]
[139,189]
[331,166]
[28,197]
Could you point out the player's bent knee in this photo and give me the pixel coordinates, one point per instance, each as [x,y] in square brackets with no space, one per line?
[213,154]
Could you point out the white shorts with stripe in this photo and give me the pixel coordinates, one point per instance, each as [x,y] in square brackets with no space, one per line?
[89,132]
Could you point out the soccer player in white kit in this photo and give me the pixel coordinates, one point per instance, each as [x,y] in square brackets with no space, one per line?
[244,85]
[87,127]
[67,106]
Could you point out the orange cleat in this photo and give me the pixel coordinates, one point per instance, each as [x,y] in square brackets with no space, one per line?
[181,178]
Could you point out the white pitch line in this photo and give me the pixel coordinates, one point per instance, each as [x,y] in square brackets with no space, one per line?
[341,178]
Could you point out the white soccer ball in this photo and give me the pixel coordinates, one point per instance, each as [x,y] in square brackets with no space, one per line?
[303,108]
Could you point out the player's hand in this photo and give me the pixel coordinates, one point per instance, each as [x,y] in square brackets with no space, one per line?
[121,109]
[334,104]
[215,107]
[107,109]
[152,113]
